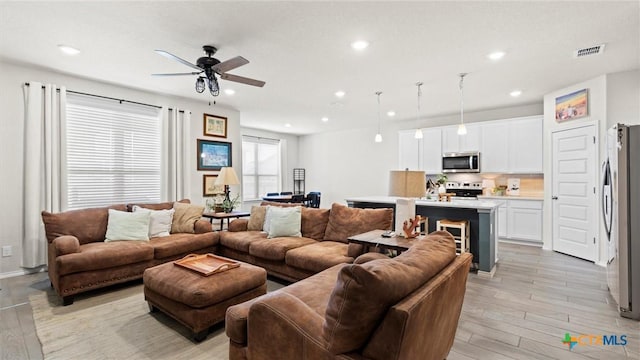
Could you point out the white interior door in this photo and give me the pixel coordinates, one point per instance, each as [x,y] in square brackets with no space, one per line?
[574,203]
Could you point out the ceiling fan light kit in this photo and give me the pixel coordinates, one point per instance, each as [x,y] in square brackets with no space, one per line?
[211,67]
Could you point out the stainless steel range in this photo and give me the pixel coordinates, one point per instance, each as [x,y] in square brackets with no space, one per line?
[464,189]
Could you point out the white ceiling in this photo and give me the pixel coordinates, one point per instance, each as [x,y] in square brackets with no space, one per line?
[302,50]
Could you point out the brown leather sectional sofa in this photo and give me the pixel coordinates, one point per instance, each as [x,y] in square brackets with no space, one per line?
[383,308]
[323,243]
[80,260]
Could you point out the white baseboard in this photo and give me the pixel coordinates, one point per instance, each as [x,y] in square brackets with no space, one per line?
[22,272]
[520,242]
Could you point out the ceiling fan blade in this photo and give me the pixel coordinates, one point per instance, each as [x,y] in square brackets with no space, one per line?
[178,74]
[173,57]
[242,79]
[230,64]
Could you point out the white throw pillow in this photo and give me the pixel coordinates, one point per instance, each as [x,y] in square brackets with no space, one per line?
[124,225]
[288,225]
[160,223]
[286,220]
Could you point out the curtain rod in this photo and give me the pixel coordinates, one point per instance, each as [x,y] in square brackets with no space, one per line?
[110,98]
[260,137]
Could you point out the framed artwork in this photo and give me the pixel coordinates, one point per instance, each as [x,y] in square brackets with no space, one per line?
[215,125]
[213,155]
[209,188]
[572,106]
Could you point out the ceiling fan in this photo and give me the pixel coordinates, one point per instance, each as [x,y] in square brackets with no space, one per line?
[211,66]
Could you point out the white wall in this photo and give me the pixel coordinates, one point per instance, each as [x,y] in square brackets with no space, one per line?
[13,77]
[623,98]
[349,163]
[289,157]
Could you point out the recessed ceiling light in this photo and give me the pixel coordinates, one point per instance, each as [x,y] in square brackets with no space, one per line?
[287,125]
[515,93]
[229,91]
[68,50]
[359,45]
[496,55]
[340,93]
[391,113]
[325,119]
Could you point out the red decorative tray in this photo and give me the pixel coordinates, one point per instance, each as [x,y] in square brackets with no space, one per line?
[207,264]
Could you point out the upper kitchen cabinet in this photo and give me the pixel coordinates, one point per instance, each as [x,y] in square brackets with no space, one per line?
[432,150]
[525,145]
[494,155]
[409,150]
[454,143]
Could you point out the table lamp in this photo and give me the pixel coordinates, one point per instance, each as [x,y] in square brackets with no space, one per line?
[406,183]
[226,177]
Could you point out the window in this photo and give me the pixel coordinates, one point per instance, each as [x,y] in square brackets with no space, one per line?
[260,167]
[113,152]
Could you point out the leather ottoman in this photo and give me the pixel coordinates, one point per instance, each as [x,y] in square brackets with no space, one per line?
[199,301]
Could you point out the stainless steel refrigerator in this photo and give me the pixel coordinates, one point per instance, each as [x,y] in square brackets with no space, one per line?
[621,213]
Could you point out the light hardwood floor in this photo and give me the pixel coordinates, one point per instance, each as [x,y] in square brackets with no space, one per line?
[523,312]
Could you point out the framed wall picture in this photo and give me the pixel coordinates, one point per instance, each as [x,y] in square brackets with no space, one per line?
[213,155]
[209,188]
[572,106]
[215,125]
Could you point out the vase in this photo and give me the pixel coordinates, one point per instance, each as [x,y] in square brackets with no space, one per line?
[441,189]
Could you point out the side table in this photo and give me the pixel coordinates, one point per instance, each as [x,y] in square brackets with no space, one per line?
[222,215]
[374,239]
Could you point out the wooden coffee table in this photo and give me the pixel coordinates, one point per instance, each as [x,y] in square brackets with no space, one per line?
[374,239]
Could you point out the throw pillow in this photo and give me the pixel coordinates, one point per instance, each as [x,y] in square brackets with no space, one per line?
[160,223]
[123,225]
[256,219]
[185,217]
[345,221]
[286,224]
[274,212]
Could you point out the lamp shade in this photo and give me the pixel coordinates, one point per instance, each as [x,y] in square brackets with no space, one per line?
[405,183]
[227,176]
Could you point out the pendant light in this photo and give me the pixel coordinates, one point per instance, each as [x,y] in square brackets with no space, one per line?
[418,134]
[378,137]
[462,130]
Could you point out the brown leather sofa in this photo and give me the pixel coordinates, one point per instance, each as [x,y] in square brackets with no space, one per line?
[405,307]
[80,260]
[323,243]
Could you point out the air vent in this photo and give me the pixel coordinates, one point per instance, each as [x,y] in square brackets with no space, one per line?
[593,50]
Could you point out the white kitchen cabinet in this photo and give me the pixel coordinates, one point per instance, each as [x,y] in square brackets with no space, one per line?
[525,145]
[502,219]
[452,142]
[410,150]
[432,151]
[524,220]
[494,154]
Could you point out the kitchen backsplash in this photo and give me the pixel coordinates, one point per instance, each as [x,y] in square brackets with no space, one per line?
[530,185]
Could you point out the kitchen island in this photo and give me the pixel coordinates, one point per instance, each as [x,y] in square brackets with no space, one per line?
[481,214]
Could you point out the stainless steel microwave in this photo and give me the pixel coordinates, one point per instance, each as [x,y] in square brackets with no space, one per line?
[467,162]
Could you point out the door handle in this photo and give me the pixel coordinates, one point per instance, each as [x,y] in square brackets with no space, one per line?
[554,198]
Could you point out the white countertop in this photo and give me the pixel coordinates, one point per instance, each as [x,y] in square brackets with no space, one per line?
[455,203]
[510,197]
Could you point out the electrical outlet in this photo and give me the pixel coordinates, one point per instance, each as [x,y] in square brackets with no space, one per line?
[6,251]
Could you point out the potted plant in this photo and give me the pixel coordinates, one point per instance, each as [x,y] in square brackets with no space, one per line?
[441,180]
[229,204]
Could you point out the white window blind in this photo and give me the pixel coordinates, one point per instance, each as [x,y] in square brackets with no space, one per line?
[261,168]
[113,152]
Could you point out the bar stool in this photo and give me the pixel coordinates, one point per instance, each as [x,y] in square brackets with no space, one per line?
[461,236]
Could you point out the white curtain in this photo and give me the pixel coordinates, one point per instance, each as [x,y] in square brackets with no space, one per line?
[176,142]
[44,166]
